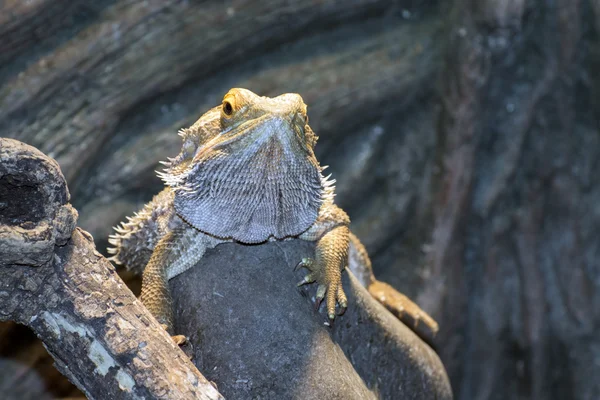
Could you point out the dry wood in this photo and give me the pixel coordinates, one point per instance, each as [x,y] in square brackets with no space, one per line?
[54,281]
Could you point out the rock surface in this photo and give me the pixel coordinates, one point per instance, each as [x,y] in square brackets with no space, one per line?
[257,335]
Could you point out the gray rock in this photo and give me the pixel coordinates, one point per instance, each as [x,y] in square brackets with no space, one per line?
[256,335]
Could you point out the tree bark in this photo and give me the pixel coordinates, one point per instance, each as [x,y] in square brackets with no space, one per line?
[54,281]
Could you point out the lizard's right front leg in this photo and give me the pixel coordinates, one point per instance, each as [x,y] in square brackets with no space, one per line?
[155,284]
[155,289]
[175,252]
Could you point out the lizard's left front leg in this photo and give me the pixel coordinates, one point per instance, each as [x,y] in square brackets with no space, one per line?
[176,252]
[332,234]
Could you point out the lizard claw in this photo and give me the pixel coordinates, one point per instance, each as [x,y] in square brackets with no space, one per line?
[321,290]
[318,302]
[329,288]
[311,277]
[343,302]
[304,263]
[307,279]
[331,322]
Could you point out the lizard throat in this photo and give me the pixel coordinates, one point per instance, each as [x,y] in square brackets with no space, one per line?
[267,189]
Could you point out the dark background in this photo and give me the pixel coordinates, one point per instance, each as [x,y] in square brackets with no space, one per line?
[463,135]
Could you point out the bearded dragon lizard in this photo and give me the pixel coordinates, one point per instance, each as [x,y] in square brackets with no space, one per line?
[247,173]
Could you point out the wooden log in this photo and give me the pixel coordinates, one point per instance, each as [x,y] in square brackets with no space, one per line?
[54,281]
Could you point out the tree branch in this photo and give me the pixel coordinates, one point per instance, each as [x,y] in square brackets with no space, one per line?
[53,280]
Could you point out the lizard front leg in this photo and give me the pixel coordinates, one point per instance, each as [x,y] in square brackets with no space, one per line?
[332,235]
[155,289]
[176,252]
[155,283]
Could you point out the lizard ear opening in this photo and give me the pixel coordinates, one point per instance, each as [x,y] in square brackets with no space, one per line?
[256,195]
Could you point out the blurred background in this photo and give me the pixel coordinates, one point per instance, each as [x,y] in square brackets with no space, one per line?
[463,135]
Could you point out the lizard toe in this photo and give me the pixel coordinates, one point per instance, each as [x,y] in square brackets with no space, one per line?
[179,340]
[304,263]
[310,278]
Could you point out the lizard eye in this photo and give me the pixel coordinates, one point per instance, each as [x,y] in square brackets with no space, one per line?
[227,108]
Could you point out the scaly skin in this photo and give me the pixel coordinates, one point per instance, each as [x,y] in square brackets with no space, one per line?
[332,234]
[247,173]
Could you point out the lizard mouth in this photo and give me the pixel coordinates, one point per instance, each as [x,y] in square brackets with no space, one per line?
[292,131]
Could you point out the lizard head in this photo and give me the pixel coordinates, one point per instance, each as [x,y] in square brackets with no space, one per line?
[247,170]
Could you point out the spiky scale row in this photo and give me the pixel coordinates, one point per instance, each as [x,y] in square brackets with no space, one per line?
[134,240]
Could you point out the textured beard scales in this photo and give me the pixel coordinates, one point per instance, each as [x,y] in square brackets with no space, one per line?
[269,190]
